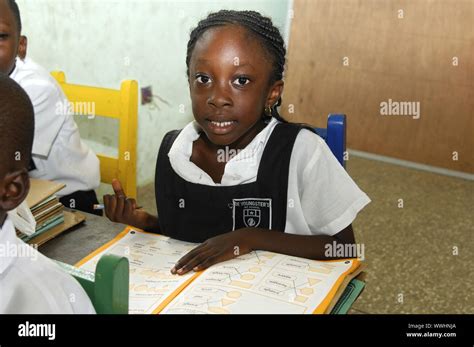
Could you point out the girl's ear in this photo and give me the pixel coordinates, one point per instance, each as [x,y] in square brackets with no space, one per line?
[13,189]
[22,47]
[275,93]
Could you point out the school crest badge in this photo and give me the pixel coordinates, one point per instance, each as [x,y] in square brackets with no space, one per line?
[251,217]
[252,213]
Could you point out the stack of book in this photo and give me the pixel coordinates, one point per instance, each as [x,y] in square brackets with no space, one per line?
[48,212]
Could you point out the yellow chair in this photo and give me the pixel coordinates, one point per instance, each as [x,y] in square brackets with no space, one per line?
[119,104]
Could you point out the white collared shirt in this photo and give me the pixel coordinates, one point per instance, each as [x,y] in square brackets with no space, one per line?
[58,152]
[31,283]
[322,197]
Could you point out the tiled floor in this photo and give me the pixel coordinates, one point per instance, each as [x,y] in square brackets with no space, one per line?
[409,251]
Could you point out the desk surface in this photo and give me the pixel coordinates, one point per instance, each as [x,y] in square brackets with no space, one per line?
[81,240]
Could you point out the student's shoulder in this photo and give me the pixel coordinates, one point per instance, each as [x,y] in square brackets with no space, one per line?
[35,79]
[172,134]
[61,290]
[29,70]
[309,149]
[188,133]
[308,143]
[45,271]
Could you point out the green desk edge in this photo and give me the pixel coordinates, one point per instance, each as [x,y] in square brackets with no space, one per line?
[108,288]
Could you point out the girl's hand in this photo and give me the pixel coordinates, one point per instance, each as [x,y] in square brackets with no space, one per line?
[215,250]
[120,209]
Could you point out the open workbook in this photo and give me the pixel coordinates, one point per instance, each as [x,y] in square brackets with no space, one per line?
[258,282]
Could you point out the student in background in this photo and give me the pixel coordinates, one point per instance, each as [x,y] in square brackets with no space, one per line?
[58,152]
[240,177]
[29,282]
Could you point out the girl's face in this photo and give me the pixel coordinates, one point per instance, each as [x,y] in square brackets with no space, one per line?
[229,75]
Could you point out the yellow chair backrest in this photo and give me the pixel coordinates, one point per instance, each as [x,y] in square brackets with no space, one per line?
[119,104]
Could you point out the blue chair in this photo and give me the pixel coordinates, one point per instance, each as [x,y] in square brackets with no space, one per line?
[335,136]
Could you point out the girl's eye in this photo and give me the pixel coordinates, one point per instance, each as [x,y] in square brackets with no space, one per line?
[202,79]
[241,81]
[3,36]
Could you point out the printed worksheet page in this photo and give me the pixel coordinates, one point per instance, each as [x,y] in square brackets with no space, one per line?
[151,258]
[264,282]
[258,282]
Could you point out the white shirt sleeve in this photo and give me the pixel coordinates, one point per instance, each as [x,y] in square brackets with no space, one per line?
[329,198]
[31,283]
[74,297]
[49,113]
[41,287]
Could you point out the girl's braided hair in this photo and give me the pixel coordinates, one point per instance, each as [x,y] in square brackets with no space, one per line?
[261,28]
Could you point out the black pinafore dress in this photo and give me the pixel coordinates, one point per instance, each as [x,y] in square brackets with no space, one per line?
[195,212]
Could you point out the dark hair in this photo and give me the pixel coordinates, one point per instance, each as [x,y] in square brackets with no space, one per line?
[16,125]
[260,27]
[16,13]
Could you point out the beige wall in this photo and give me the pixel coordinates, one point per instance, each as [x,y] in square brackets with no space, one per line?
[408,59]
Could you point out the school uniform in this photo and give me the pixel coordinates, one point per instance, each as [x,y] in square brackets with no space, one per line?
[286,179]
[31,283]
[58,153]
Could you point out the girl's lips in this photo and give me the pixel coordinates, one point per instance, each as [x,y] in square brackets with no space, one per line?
[221,127]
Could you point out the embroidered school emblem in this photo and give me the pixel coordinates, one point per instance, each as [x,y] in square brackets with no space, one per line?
[251,217]
[252,213]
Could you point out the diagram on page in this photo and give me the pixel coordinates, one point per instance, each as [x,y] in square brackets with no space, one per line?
[260,282]
[151,258]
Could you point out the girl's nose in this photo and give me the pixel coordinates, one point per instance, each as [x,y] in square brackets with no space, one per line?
[220,96]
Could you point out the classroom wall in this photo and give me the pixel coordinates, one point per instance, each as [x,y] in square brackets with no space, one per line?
[350,56]
[102,42]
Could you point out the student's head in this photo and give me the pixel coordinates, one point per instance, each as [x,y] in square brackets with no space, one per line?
[16,141]
[10,32]
[235,62]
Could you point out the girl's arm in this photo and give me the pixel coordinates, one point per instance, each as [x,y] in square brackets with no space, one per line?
[304,246]
[242,241]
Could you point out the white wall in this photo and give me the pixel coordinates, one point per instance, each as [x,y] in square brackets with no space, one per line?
[101,42]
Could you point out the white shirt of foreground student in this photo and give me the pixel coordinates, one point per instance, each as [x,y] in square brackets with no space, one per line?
[31,283]
[58,152]
[322,198]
